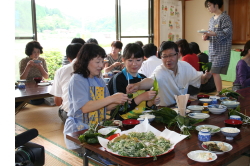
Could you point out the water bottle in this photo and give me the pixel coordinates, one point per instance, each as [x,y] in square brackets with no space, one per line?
[204,135]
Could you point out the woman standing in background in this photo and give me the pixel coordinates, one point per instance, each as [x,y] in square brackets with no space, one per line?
[219,35]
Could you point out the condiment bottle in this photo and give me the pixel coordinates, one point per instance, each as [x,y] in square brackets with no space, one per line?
[205,108]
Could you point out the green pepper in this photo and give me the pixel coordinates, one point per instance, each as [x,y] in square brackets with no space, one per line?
[91,135]
[82,138]
[92,140]
[206,66]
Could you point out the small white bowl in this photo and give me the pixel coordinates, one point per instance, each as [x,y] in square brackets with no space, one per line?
[205,100]
[195,108]
[150,117]
[217,109]
[230,104]
[230,135]
[212,97]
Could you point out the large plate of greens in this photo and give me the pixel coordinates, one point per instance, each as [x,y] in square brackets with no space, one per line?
[142,141]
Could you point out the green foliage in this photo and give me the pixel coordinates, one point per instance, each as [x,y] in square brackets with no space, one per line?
[53,60]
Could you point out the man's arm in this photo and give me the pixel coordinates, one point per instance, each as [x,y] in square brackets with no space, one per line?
[146,83]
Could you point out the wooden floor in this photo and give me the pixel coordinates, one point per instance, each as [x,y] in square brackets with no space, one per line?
[45,119]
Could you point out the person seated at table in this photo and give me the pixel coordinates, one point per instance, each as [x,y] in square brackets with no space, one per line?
[60,85]
[92,41]
[74,40]
[33,66]
[151,62]
[210,85]
[188,56]
[243,69]
[132,58]
[173,76]
[30,68]
[114,58]
[88,96]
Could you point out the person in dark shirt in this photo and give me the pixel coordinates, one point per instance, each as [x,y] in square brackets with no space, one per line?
[209,86]
[132,58]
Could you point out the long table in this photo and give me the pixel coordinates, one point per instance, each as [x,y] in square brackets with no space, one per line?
[32,91]
[178,156]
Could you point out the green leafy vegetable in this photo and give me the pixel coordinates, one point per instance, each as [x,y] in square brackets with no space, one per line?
[230,93]
[122,108]
[206,66]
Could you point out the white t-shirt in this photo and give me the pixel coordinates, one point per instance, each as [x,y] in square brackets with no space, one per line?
[149,65]
[170,84]
[60,85]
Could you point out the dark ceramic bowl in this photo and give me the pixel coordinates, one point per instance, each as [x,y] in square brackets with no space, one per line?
[202,96]
[233,123]
[188,102]
[130,123]
[37,79]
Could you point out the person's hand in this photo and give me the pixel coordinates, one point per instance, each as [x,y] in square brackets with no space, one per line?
[131,88]
[120,98]
[204,37]
[210,33]
[31,63]
[157,100]
[148,95]
[208,75]
[116,64]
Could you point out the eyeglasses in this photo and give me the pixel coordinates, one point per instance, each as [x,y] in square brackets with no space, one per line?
[171,56]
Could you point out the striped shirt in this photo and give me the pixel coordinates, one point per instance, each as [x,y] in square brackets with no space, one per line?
[220,45]
[112,61]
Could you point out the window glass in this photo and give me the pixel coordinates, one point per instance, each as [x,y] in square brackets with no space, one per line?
[57,24]
[134,18]
[23,18]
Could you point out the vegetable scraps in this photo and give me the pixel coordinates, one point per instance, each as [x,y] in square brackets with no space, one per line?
[171,118]
[229,93]
[122,108]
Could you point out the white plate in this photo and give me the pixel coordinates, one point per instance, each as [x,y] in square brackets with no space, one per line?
[116,121]
[193,155]
[43,83]
[200,127]
[198,115]
[105,131]
[229,147]
[21,80]
[202,31]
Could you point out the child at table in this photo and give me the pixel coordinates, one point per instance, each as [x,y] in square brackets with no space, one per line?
[89,98]
[132,58]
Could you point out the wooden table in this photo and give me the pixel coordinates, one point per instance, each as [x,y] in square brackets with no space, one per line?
[178,157]
[31,92]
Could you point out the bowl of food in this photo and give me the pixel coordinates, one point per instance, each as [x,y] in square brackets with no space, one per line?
[230,132]
[203,96]
[217,108]
[37,79]
[230,104]
[195,108]
[233,123]
[205,100]
[130,123]
[150,117]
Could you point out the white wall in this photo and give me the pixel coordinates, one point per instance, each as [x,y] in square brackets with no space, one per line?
[196,18]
